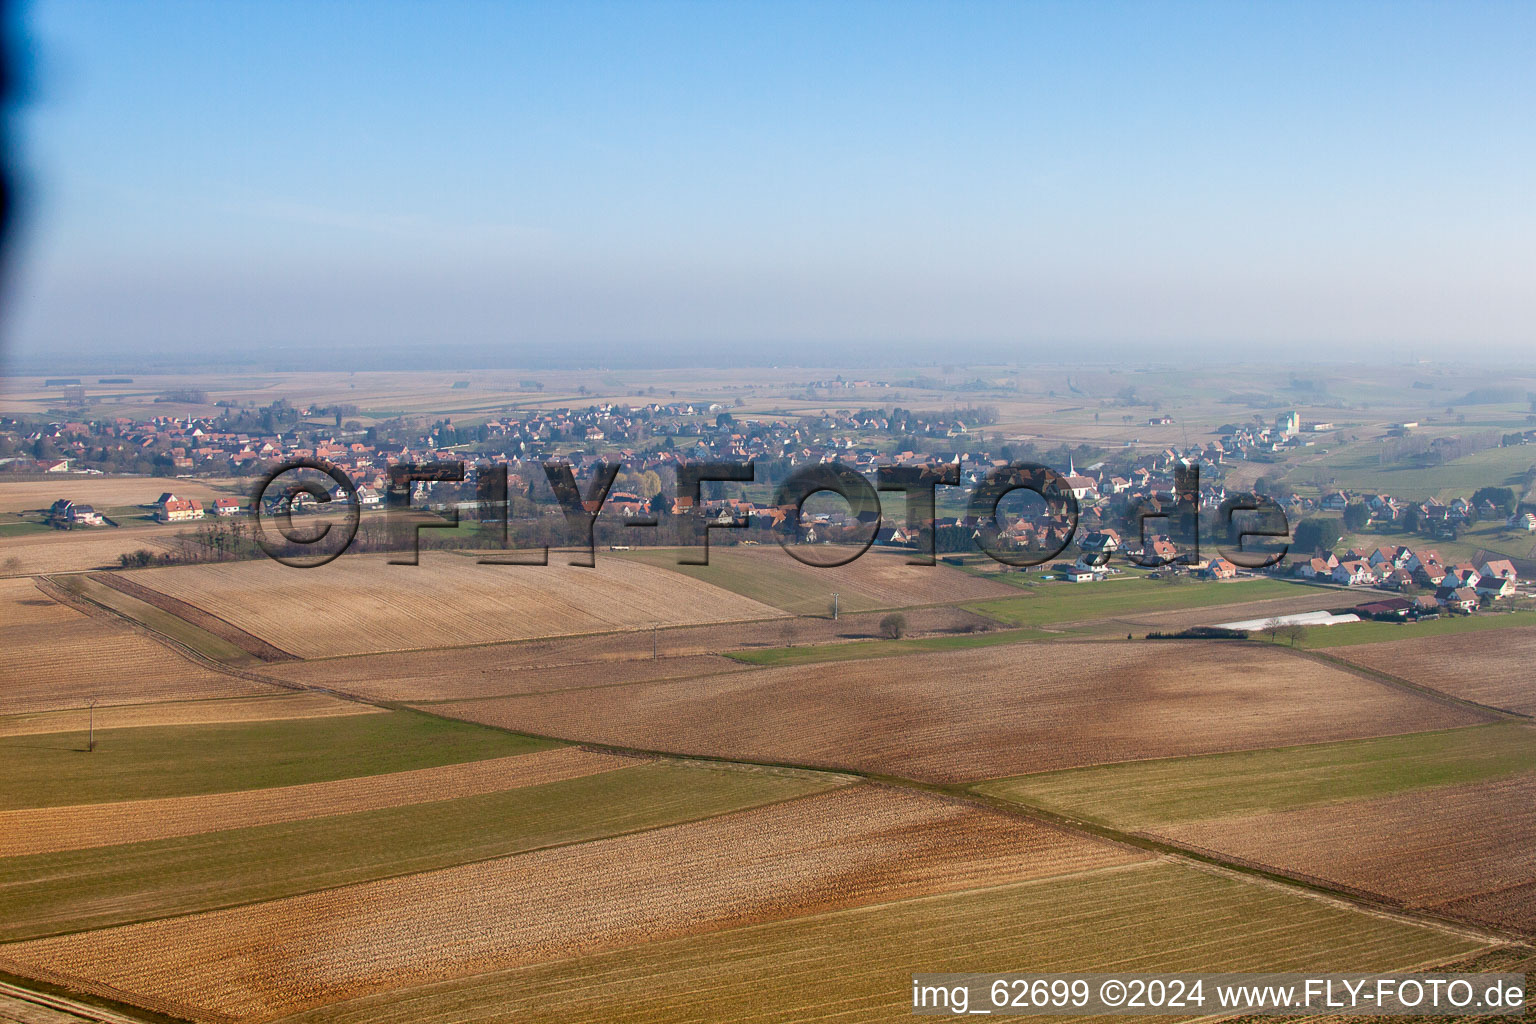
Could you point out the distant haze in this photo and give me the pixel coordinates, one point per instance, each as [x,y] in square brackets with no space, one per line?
[655,184]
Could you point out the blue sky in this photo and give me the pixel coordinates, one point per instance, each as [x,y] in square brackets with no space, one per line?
[913,179]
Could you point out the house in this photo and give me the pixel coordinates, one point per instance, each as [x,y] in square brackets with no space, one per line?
[1495,588]
[1429,574]
[1523,521]
[226,506]
[1499,567]
[1101,541]
[1354,573]
[1425,606]
[1462,599]
[66,513]
[1393,557]
[1335,501]
[177,510]
[1314,568]
[1219,569]
[1463,575]
[1398,579]
[84,515]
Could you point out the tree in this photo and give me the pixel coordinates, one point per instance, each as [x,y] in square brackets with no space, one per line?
[1318,534]
[1294,633]
[1503,498]
[1356,516]
[1272,628]
[894,625]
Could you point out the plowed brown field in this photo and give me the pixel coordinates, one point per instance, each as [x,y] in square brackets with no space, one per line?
[846,848]
[1468,850]
[195,712]
[490,672]
[880,578]
[53,657]
[61,551]
[49,829]
[359,604]
[988,712]
[1495,666]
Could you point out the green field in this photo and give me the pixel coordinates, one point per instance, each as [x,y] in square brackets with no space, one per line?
[856,965]
[1074,602]
[82,889]
[157,619]
[1140,794]
[54,770]
[859,650]
[1347,634]
[1359,468]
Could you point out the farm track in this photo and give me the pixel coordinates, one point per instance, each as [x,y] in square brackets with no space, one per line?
[55,1009]
[1378,675]
[86,606]
[222,628]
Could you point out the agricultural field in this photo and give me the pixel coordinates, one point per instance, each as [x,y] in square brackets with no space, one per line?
[491,671]
[1129,598]
[1141,795]
[83,826]
[1465,851]
[746,868]
[1350,634]
[107,492]
[54,657]
[1148,917]
[47,550]
[1360,468]
[987,712]
[184,760]
[648,792]
[360,604]
[275,707]
[71,890]
[1492,667]
[1443,821]
[876,580]
[531,666]
[90,592]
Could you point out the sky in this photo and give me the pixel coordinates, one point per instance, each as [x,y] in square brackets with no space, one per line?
[637,183]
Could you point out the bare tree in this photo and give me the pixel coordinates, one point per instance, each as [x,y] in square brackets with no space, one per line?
[1272,629]
[894,625]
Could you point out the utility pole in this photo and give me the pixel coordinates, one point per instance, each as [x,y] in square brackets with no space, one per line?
[834,606]
[90,744]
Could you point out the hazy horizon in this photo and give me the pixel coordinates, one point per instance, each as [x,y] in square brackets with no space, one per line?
[680,184]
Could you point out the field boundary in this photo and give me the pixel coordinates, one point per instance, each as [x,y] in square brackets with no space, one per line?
[85,606]
[59,1004]
[251,644]
[163,1008]
[1389,679]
